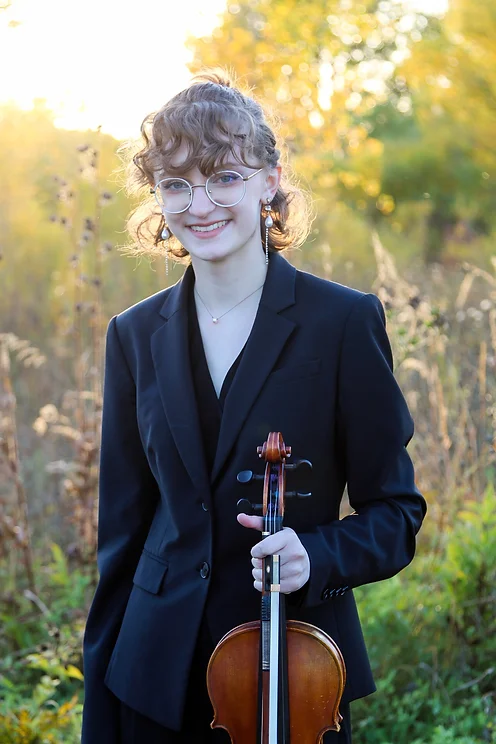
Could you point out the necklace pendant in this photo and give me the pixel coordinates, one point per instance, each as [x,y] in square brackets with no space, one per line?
[215,320]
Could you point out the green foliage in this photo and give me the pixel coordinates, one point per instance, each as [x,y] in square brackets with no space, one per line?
[70,588]
[430,634]
[40,720]
[40,651]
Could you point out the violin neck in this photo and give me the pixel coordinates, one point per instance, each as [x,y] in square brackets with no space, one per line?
[274,699]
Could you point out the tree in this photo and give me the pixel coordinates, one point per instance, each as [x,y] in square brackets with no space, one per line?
[452,81]
[325,65]
[365,103]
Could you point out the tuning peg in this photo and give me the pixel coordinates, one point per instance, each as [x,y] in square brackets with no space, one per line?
[246,507]
[297,463]
[246,476]
[298,495]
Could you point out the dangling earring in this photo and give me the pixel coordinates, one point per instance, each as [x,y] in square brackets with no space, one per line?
[166,234]
[268,223]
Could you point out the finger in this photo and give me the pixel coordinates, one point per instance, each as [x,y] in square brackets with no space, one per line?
[256,563]
[257,574]
[250,521]
[271,545]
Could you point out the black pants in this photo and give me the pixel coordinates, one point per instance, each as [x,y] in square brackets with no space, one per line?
[137,729]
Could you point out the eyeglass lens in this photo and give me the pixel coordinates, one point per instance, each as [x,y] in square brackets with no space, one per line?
[225,189]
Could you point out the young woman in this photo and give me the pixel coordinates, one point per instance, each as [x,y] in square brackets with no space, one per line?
[196,377]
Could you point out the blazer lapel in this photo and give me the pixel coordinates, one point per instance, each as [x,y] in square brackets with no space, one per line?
[268,337]
[170,352]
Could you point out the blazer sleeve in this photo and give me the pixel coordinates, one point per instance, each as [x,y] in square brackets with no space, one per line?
[374,427]
[128,498]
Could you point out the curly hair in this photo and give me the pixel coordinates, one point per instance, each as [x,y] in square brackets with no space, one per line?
[215,120]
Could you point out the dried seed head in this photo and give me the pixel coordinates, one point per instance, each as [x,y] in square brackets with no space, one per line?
[40,426]
[415,302]
[50,413]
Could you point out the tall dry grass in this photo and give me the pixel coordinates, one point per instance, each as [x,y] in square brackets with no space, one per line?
[443,330]
[69,423]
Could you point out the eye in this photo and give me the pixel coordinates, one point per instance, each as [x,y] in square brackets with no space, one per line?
[171,185]
[225,178]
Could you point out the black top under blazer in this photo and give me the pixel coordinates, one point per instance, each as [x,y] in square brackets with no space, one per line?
[316,367]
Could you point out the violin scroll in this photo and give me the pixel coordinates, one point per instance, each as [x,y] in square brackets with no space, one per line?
[273,449]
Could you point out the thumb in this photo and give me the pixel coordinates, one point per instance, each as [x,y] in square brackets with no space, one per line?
[252,522]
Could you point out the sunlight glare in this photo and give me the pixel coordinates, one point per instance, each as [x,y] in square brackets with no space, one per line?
[100,62]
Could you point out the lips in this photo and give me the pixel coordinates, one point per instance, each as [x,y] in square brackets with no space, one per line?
[208,228]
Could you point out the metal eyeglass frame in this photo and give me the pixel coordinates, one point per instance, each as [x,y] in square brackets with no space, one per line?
[205,186]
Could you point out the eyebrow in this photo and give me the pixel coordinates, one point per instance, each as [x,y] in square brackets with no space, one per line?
[219,167]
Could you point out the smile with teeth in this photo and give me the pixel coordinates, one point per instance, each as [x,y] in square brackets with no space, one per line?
[209,228]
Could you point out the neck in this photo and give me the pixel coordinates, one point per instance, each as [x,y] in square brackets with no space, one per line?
[223,283]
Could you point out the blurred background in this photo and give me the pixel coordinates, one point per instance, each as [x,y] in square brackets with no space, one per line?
[388,110]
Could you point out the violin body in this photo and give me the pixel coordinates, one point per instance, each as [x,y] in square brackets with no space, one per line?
[316,672]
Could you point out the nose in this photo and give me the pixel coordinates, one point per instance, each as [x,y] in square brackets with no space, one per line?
[201,205]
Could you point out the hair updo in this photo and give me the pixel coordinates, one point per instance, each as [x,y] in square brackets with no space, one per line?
[216,121]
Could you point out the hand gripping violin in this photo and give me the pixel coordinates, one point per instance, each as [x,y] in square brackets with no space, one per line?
[274,681]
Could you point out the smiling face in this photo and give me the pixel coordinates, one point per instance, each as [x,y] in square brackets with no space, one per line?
[213,233]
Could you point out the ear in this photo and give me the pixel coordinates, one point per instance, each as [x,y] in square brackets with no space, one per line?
[272,180]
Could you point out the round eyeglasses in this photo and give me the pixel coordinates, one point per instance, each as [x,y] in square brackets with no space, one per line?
[225,189]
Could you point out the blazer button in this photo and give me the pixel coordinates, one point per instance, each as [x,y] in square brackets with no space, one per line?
[326,593]
[205,571]
[204,506]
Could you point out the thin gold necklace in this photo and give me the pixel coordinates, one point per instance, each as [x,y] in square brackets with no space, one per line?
[215,319]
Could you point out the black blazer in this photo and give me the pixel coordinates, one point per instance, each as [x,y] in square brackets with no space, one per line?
[317,367]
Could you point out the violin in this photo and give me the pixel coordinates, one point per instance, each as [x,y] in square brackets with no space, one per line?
[275,681]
